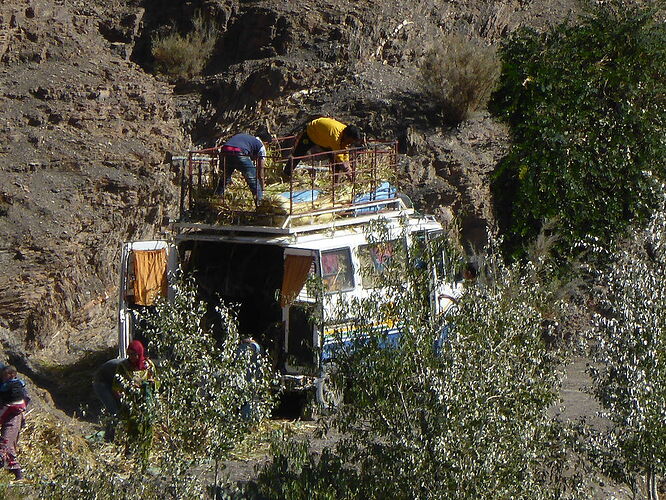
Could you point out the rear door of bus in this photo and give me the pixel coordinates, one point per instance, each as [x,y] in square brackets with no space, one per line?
[146,274]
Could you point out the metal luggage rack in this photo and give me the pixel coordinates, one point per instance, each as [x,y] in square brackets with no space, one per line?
[314,194]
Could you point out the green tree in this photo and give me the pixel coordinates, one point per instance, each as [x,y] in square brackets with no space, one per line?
[586,104]
[630,379]
[467,420]
[212,392]
[206,383]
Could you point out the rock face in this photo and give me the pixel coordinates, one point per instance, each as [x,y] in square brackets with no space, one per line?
[85,128]
[82,140]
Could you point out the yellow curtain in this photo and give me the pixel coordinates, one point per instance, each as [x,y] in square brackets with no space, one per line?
[296,270]
[150,278]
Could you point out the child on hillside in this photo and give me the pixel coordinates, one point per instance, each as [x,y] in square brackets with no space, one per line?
[14,399]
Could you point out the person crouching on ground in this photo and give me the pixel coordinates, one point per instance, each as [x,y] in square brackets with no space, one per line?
[238,153]
[103,387]
[134,387]
[330,135]
[12,417]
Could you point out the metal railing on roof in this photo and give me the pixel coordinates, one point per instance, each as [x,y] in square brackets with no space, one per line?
[316,191]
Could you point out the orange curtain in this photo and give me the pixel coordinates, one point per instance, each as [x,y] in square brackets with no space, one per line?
[150,279]
[296,270]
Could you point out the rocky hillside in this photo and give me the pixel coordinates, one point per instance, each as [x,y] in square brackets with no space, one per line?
[86,128]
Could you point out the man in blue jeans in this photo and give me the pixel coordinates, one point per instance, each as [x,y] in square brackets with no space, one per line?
[250,346]
[238,153]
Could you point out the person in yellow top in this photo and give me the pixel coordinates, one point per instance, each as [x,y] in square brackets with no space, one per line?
[330,135]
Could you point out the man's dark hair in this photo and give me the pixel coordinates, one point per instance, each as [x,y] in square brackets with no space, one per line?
[264,135]
[353,132]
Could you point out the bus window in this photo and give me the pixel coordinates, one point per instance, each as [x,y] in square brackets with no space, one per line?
[376,259]
[427,250]
[336,270]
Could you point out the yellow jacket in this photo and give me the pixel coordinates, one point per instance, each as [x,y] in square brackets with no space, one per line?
[327,133]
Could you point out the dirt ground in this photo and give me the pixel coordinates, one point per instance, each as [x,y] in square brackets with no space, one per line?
[577,403]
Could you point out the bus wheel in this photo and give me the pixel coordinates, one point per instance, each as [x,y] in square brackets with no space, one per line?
[329,396]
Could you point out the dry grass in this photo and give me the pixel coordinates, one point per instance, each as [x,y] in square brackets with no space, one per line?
[59,462]
[256,445]
[50,448]
[58,459]
[48,441]
[185,56]
[460,74]
[45,440]
[237,205]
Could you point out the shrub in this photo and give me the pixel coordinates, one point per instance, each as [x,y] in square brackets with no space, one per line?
[212,391]
[459,75]
[211,397]
[469,421]
[586,104]
[106,480]
[185,56]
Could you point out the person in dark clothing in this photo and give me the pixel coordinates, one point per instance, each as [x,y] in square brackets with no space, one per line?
[250,348]
[102,385]
[240,153]
[135,387]
[14,398]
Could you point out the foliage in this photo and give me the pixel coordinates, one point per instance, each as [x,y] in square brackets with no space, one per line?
[78,481]
[185,55]
[630,327]
[212,394]
[459,75]
[587,107]
[295,472]
[212,391]
[467,420]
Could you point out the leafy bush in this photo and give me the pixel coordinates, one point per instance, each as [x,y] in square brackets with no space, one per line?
[630,380]
[459,75]
[107,481]
[212,395]
[587,108]
[212,392]
[467,420]
[185,55]
[296,472]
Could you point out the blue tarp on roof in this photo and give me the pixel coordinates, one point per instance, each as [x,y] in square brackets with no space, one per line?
[303,195]
[383,192]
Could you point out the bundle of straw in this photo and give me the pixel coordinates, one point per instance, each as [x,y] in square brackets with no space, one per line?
[237,205]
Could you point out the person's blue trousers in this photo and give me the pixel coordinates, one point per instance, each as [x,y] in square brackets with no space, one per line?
[245,166]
